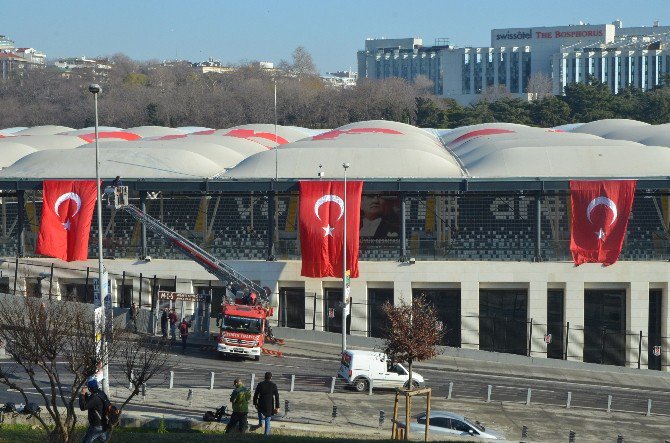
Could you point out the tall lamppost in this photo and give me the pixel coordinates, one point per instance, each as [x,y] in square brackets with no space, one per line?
[344,265]
[95,89]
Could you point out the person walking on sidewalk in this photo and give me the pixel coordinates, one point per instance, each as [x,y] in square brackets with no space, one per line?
[240,400]
[173,324]
[266,400]
[164,322]
[92,399]
[183,330]
[133,317]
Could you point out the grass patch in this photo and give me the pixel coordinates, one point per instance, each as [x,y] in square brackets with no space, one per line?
[27,433]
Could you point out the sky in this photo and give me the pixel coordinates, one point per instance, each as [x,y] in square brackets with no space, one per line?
[269,30]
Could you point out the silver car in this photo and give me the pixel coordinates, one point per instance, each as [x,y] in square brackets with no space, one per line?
[453,424]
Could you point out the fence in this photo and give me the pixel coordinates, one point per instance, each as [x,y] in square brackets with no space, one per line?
[499,226]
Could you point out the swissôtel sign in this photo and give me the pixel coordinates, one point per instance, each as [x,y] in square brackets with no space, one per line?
[547,33]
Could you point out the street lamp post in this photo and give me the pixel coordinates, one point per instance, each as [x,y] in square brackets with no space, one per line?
[95,89]
[344,265]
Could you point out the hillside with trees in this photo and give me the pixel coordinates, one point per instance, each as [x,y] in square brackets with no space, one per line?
[152,93]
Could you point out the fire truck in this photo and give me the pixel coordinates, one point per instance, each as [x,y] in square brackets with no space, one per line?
[243,330]
[244,326]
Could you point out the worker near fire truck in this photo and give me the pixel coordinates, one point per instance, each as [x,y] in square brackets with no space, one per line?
[183,330]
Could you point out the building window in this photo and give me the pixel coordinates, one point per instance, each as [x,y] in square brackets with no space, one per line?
[605,326]
[655,320]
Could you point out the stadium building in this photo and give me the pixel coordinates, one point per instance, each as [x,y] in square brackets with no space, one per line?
[616,55]
[477,219]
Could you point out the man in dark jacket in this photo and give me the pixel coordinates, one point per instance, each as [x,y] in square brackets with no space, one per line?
[164,322]
[92,399]
[266,400]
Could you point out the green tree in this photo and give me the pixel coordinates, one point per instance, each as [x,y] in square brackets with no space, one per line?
[630,103]
[657,107]
[511,111]
[589,102]
[428,114]
[549,112]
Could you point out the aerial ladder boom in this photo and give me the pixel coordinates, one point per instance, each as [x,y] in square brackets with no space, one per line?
[117,197]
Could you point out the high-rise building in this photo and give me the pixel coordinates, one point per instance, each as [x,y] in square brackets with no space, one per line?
[405,58]
[522,62]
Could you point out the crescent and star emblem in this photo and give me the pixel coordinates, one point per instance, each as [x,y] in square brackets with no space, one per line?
[60,200]
[325,199]
[605,202]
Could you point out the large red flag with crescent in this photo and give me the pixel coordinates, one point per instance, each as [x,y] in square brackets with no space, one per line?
[600,211]
[322,209]
[67,211]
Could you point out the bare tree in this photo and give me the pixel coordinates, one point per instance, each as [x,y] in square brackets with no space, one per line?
[494,93]
[412,332]
[540,86]
[52,346]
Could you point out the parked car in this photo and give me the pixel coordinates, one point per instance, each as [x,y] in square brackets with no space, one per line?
[359,368]
[445,422]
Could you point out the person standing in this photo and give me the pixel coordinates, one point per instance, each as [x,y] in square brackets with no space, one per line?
[240,400]
[164,322]
[183,330]
[133,316]
[92,399]
[173,324]
[266,401]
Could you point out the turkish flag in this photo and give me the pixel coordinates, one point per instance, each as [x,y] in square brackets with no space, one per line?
[322,227]
[67,211]
[600,211]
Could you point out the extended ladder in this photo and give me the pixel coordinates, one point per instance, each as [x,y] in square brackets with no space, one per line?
[117,197]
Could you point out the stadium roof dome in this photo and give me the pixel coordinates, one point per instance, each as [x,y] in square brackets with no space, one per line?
[376,150]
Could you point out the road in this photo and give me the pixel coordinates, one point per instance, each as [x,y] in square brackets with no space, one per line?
[193,370]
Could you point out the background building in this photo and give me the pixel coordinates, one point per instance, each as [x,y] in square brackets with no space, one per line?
[405,58]
[522,62]
[14,61]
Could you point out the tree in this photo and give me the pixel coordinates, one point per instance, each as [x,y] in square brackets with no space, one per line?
[412,332]
[52,345]
[549,112]
[540,86]
[589,102]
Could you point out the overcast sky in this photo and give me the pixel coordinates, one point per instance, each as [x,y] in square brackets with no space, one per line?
[269,30]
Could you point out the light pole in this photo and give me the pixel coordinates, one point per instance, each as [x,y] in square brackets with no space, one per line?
[95,90]
[345,165]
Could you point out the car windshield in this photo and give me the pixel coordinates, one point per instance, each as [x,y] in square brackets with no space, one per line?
[241,324]
[475,425]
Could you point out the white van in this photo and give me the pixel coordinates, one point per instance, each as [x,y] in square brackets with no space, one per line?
[358,368]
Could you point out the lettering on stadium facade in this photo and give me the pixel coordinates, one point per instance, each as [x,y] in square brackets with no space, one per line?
[518,35]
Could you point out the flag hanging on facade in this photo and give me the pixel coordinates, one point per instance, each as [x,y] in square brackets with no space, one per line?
[322,209]
[600,211]
[67,210]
